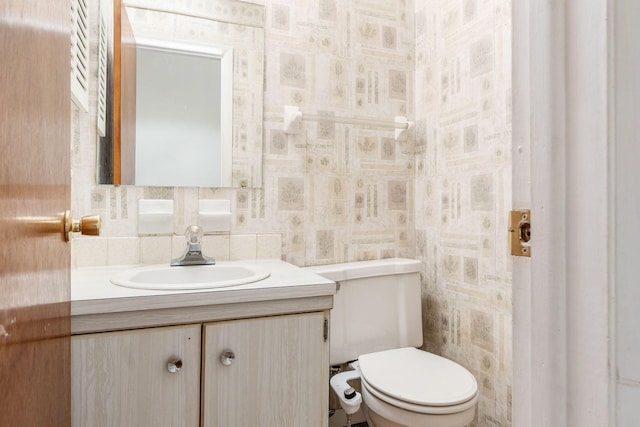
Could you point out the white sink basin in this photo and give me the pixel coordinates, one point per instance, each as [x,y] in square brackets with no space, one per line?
[164,277]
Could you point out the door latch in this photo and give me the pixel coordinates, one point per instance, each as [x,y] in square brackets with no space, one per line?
[520,232]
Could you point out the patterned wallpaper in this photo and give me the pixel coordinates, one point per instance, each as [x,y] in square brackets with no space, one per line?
[340,192]
[337,193]
[463,190]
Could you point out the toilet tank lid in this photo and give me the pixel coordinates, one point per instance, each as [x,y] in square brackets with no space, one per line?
[363,269]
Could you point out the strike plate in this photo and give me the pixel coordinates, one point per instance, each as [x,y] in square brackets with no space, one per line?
[520,232]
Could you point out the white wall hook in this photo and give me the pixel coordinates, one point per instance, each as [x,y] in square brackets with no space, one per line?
[292,119]
[401,134]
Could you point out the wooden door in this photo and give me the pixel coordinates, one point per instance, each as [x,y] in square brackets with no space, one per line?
[279,377]
[34,191]
[121,379]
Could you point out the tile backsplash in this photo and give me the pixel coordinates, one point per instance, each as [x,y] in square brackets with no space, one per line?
[102,251]
[337,193]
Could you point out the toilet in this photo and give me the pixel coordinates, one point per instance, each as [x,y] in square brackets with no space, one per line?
[376,323]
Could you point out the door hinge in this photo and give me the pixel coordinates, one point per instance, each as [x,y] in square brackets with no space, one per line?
[325,329]
[520,232]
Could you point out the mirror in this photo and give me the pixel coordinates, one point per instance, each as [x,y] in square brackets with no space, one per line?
[182,134]
[186,95]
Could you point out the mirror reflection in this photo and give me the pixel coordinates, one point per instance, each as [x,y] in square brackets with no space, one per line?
[180,139]
[193,114]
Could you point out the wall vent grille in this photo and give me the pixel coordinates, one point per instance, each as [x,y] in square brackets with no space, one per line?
[102,78]
[80,53]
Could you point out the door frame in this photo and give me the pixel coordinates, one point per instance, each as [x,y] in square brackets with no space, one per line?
[561,171]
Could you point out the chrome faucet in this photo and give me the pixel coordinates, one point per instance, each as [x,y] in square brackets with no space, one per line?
[193,254]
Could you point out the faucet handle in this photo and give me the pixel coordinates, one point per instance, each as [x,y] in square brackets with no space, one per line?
[194,234]
[193,255]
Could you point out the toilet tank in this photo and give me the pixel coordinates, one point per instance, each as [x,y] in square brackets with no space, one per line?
[377,306]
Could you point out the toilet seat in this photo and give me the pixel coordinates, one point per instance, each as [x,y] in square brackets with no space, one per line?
[418,381]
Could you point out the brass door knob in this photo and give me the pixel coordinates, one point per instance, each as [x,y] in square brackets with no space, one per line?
[88,225]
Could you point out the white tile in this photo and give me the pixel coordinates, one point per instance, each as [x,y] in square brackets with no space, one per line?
[216,247]
[243,246]
[155,249]
[178,246]
[269,246]
[123,251]
[187,197]
[88,251]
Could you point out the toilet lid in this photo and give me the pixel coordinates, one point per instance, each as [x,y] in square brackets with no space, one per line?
[418,377]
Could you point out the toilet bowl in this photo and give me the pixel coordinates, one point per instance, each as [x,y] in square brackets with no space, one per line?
[408,387]
[377,320]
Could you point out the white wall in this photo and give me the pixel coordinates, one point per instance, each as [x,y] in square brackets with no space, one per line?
[587,218]
[626,207]
[561,310]
[584,135]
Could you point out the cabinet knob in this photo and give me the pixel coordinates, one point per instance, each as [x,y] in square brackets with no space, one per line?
[227,357]
[174,366]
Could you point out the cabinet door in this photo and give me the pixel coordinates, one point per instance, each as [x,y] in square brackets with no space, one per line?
[121,379]
[278,378]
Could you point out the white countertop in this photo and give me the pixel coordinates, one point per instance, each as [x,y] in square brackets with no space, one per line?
[93,293]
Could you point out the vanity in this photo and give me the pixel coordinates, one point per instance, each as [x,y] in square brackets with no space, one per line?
[253,354]
[246,355]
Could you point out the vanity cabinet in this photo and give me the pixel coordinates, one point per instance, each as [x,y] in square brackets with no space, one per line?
[122,378]
[270,372]
[267,371]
